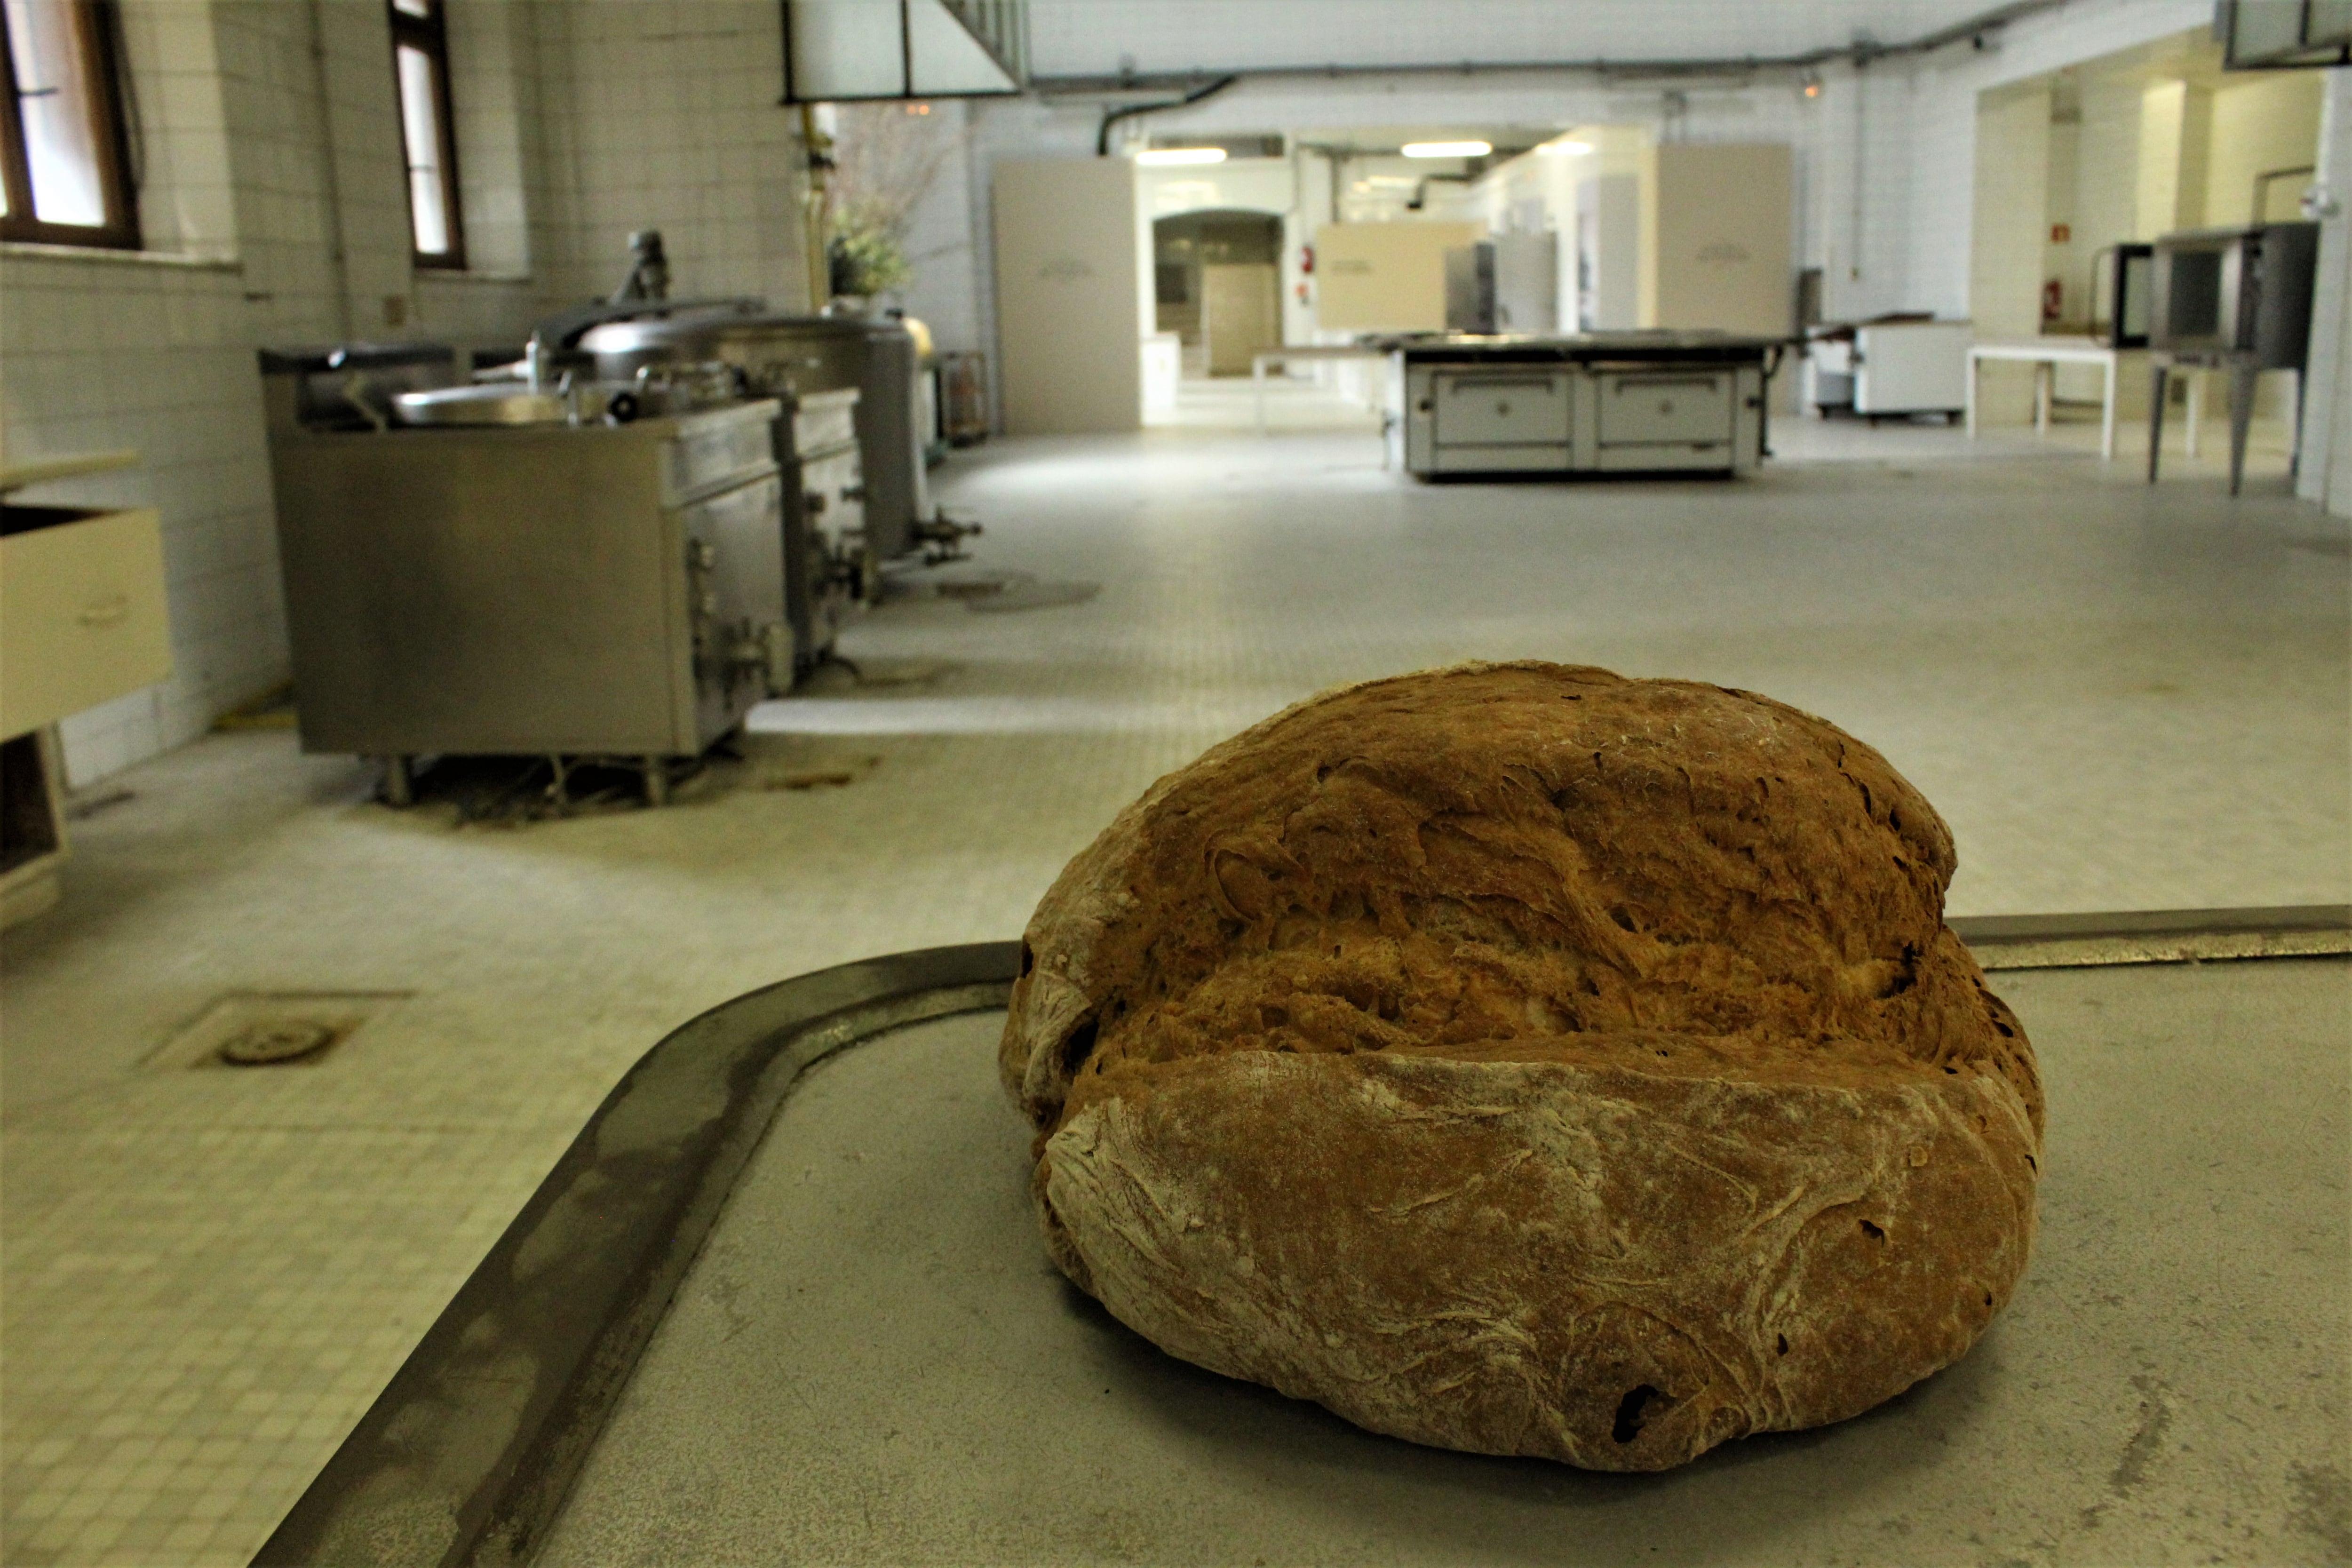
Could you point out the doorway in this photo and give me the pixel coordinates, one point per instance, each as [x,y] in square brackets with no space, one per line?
[1217,286]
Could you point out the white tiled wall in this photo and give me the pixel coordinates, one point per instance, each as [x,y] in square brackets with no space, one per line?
[273,198]
[155,357]
[663,115]
[187,205]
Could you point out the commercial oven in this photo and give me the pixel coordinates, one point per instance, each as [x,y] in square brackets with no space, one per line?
[1624,403]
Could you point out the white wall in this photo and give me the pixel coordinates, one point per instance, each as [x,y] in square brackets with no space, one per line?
[2326,472]
[2271,121]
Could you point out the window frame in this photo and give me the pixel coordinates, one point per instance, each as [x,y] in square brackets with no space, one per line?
[101,54]
[429,36]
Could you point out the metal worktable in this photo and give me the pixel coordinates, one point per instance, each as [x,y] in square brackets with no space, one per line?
[761,1312]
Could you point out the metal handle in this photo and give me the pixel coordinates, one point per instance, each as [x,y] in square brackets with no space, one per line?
[1708,381]
[1464,383]
[105,611]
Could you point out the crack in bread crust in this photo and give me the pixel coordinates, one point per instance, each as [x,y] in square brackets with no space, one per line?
[1525,1060]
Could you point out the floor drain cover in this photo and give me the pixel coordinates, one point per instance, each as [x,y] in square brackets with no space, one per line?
[258,1028]
[276,1040]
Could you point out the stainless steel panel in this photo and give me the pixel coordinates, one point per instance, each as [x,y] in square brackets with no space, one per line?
[718,449]
[1500,407]
[824,419]
[507,591]
[1665,406]
[733,589]
[798,354]
[828,560]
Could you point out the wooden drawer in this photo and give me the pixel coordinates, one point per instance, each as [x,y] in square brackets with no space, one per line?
[1665,406]
[82,617]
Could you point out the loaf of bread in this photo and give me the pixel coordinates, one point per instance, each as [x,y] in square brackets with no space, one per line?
[1524,1060]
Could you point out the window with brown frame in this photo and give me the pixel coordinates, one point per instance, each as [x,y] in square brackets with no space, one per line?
[65,175]
[420,60]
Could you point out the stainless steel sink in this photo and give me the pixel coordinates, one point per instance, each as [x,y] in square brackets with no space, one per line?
[495,404]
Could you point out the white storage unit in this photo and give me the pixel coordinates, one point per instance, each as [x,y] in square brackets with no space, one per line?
[82,621]
[1626,403]
[1891,369]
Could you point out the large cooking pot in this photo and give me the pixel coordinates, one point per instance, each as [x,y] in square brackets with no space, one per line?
[780,355]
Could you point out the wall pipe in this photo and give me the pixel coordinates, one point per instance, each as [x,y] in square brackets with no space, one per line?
[1112,116]
[1861,52]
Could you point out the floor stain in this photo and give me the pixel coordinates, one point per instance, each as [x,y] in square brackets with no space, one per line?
[2323,1497]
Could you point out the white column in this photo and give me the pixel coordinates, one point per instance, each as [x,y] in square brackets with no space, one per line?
[2326,472]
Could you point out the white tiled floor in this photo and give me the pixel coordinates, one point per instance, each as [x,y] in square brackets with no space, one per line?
[2121,697]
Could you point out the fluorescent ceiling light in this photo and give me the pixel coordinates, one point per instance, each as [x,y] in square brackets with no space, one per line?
[1158,155]
[1566,149]
[1447,149]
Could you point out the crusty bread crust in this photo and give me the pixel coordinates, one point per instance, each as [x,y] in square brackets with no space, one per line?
[1524,1060]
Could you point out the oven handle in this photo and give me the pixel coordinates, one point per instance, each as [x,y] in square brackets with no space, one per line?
[1463,382]
[1709,382]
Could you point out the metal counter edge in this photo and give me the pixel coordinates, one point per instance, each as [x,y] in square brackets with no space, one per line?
[468,1454]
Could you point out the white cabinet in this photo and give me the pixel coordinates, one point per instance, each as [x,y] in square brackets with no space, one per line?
[1623,403]
[82,611]
[82,621]
[1912,367]
[1890,369]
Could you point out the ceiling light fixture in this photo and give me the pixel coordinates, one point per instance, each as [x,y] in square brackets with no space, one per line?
[1566,149]
[1158,156]
[1446,149]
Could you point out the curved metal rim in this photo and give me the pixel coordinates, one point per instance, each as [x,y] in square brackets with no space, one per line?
[468,1452]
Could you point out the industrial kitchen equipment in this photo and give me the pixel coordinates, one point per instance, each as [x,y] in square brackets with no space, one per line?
[2236,299]
[1890,368]
[827,570]
[780,354]
[1506,284]
[1605,401]
[526,573]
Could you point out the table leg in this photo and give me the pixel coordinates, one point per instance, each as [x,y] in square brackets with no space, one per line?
[2155,418]
[2295,453]
[2043,377]
[2107,412]
[2196,406]
[2241,413]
